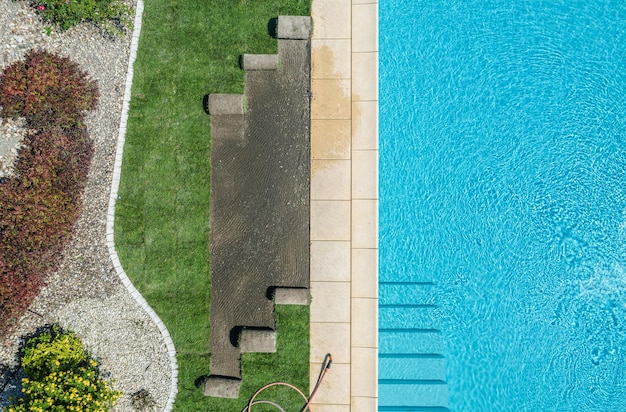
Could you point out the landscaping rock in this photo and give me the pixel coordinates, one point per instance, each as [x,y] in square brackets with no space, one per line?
[85,294]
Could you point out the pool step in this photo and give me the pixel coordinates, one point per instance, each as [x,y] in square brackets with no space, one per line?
[414,341]
[415,393]
[411,365]
[406,316]
[403,293]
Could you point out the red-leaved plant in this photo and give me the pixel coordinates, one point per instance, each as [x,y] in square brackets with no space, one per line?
[41,202]
[48,90]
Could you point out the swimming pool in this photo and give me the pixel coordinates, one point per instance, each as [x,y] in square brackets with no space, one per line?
[502,211]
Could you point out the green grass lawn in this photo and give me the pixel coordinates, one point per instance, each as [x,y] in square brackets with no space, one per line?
[187,49]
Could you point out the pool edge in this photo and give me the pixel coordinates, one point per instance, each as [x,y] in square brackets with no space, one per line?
[344,203]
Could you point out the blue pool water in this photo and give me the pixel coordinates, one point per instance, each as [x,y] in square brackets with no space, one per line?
[502,219]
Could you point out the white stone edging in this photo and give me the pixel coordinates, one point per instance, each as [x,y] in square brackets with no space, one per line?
[110,239]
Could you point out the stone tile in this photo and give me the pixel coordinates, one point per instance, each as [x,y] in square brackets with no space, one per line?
[330,220]
[363,404]
[330,179]
[344,126]
[330,261]
[364,323]
[330,99]
[330,139]
[329,408]
[365,76]
[364,372]
[364,273]
[335,388]
[364,27]
[330,59]
[365,125]
[330,302]
[365,174]
[333,338]
[364,224]
[331,19]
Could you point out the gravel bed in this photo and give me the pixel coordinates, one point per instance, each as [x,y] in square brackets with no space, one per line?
[85,294]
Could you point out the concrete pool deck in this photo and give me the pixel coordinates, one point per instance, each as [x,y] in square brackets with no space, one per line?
[344,203]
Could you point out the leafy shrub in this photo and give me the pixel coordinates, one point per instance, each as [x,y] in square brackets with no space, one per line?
[18,288]
[112,15]
[52,351]
[13,84]
[40,203]
[61,376]
[48,90]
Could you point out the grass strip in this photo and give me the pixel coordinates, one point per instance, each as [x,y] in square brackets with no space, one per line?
[189,48]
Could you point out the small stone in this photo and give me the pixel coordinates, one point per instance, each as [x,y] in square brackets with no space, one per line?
[104,309]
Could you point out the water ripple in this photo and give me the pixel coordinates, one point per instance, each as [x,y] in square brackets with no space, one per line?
[502,153]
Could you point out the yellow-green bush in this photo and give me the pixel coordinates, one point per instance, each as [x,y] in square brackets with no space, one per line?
[61,376]
[53,351]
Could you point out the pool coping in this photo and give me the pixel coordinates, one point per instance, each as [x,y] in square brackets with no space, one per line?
[344,203]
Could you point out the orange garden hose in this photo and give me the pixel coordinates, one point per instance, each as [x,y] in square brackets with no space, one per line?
[328,360]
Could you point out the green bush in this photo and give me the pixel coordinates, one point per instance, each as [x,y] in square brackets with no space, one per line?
[61,376]
[48,90]
[112,15]
[53,351]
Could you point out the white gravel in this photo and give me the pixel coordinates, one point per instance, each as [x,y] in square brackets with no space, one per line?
[86,294]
